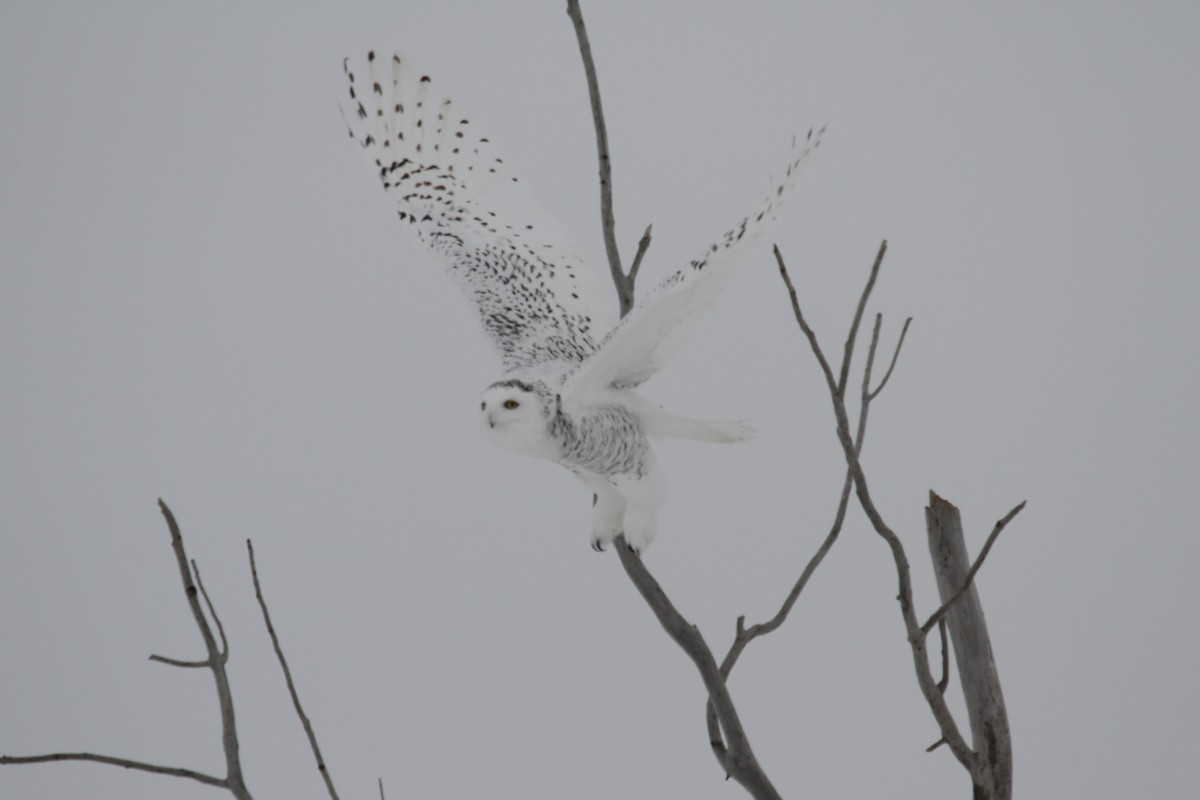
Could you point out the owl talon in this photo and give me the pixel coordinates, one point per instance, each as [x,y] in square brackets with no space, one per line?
[599,548]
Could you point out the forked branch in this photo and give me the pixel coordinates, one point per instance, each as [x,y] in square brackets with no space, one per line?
[743,635]
[916,638]
[989,762]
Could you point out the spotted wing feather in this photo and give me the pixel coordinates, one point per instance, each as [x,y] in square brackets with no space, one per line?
[533,292]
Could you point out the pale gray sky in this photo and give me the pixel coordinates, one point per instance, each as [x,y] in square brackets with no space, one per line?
[204,296]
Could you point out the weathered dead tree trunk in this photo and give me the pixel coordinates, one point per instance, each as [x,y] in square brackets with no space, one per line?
[972,651]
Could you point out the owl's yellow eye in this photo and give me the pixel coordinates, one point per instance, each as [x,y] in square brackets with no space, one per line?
[511,404]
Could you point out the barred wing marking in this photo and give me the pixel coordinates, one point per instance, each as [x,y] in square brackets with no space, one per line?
[536,298]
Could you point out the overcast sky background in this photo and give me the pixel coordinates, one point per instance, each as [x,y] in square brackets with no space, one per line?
[205,296]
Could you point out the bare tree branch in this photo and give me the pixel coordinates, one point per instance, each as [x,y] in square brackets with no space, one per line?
[738,759]
[217,656]
[916,638]
[235,781]
[623,282]
[212,612]
[848,348]
[643,245]
[175,662]
[142,766]
[287,674]
[895,355]
[743,635]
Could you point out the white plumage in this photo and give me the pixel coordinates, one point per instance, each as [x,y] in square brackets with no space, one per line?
[569,365]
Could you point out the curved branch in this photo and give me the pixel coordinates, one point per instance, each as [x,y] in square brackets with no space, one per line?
[895,355]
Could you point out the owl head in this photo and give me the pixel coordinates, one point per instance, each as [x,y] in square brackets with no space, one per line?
[516,416]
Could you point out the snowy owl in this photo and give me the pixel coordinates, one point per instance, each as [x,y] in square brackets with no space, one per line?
[570,368]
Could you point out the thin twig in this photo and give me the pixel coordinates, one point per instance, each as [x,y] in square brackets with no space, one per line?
[287,674]
[212,612]
[804,326]
[175,662]
[643,244]
[937,616]
[142,766]
[895,354]
[858,313]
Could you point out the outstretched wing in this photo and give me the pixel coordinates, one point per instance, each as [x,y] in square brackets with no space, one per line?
[661,321]
[533,292]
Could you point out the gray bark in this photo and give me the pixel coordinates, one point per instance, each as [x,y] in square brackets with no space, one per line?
[972,652]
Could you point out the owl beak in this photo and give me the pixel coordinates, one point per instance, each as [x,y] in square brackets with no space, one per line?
[491,422]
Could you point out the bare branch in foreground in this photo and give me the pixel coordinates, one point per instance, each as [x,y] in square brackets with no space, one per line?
[233,780]
[287,675]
